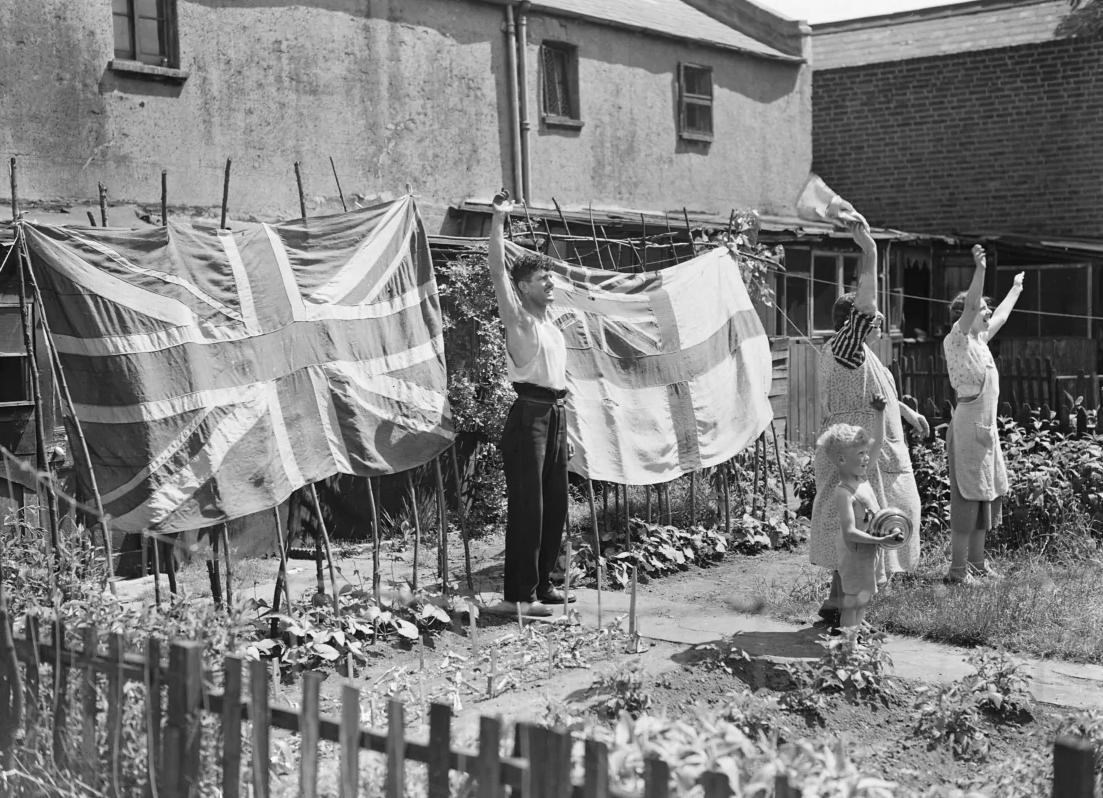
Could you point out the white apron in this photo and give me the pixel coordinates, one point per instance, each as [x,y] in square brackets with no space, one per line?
[978,459]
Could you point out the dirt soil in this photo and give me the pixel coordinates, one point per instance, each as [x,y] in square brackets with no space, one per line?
[547,672]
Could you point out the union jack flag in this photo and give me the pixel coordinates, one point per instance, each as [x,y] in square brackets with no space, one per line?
[214,372]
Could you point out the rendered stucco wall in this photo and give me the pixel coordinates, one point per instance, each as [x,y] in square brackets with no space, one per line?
[396,92]
[628,154]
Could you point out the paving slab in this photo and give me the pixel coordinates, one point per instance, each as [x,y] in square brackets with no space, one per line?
[1065,684]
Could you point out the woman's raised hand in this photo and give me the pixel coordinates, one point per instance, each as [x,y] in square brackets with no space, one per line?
[979,257]
[1019,279]
[862,237]
[501,202]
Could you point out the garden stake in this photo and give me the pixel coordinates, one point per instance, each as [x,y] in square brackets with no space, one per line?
[725,474]
[156,570]
[225,195]
[329,554]
[567,576]
[164,198]
[520,620]
[754,483]
[597,544]
[376,576]
[670,239]
[12,165]
[442,512]
[633,634]
[462,513]
[765,476]
[62,384]
[693,498]
[91,219]
[299,182]
[647,502]
[337,180]
[780,474]
[593,230]
[225,532]
[689,233]
[493,673]
[103,205]
[417,523]
[39,421]
[551,241]
[616,505]
[528,222]
[282,576]
[562,218]
[473,632]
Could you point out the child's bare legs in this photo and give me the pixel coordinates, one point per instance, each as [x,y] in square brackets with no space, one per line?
[853,610]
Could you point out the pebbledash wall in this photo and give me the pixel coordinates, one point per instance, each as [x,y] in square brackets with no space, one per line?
[397,93]
[984,116]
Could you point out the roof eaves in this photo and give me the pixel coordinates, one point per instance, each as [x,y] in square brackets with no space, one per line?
[920,14]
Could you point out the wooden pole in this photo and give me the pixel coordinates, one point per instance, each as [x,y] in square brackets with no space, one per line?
[325,541]
[643,241]
[562,218]
[1073,768]
[627,520]
[225,195]
[212,566]
[299,183]
[551,240]
[725,475]
[281,577]
[337,180]
[225,532]
[670,239]
[528,223]
[156,569]
[63,385]
[442,513]
[164,198]
[42,464]
[91,218]
[462,513]
[597,544]
[376,574]
[103,204]
[417,522]
[689,233]
[693,498]
[12,175]
[593,232]
[780,474]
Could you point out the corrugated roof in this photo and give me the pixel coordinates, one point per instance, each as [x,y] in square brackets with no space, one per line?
[968,27]
[667,17]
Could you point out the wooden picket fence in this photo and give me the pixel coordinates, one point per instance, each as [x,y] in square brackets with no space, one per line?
[540,767]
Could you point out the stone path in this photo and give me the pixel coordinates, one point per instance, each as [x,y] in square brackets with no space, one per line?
[1053,682]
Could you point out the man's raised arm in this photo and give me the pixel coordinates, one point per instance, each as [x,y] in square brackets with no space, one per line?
[509,304]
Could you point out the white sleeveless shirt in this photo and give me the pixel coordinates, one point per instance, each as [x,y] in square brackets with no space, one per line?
[548,366]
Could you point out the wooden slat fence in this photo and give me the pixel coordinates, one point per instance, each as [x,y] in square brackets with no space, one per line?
[540,767]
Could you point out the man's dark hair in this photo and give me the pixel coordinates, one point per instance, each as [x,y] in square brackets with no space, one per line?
[841,311]
[527,265]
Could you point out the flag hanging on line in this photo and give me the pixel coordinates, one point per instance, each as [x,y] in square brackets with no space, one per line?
[667,372]
[215,372]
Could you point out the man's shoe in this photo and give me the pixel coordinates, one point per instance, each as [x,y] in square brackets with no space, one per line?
[553,595]
[527,609]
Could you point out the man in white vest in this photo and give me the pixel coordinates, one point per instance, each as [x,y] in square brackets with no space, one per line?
[534,440]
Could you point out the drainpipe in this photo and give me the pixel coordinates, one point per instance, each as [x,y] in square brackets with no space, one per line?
[523,95]
[514,106]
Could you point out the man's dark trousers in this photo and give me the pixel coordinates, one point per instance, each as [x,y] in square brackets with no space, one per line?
[534,449]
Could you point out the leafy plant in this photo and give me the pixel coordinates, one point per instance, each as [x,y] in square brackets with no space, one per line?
[626,690]
[1000,685]
[856,664]
[949,713]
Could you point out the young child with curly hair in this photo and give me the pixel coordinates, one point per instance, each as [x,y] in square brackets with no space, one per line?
[859,553]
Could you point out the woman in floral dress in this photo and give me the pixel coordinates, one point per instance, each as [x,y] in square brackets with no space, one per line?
[856,388]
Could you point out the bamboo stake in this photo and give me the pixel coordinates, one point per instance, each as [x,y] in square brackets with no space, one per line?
[693,498]
[731,224]
[551,241]
[643,242]
[91,218]
[103,204]
[225,195]
[633,632]
[670,239]
[282,576]
[597,543]
[567,576]
[156,569]
[329,553]
[417,522]
[689,233]
[726,475]
[164,198]
[39,421]
[528,223]
[754,482]
[337,180]
[627,520]
[62,383]
[302,198]
[562,218]
[593,230]
[442,512]
[376,575]
[225,532]
[462,513]
[12,175]
[647,502]
[781,474]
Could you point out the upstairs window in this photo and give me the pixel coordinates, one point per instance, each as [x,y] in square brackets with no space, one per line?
[145,31]
[695,102]
[559,75]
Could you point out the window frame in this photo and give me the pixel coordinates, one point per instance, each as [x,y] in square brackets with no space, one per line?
[889,302]
[17,351]
[686,99]
[131,61]
[569,53]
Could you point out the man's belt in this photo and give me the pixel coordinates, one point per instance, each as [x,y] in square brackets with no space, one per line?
[538,393]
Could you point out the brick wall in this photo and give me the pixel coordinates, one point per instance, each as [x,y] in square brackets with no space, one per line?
[1007,139]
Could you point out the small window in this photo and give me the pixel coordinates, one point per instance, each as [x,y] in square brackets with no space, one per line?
[145,31]
[695,102]
[559,74]
[14,364]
